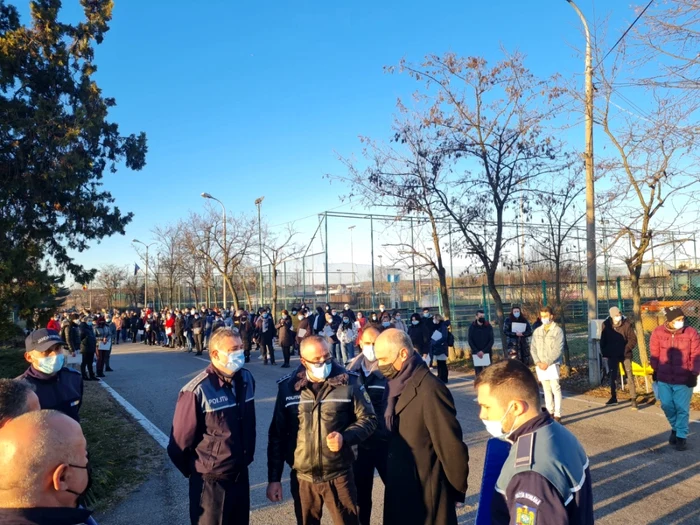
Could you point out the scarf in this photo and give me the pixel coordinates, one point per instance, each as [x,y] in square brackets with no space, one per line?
[395,387]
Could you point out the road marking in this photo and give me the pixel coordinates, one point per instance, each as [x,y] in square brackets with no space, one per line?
[149,427]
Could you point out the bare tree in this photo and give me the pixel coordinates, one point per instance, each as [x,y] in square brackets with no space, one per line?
[557,207]
[110,279]
[223,254]
[491,121]
[169,255]
[648,171]
[278,248]
[402,175]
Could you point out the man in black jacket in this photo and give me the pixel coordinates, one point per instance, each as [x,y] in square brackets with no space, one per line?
[372,453]
[321,414]
[212,441]
[428,463]
[480,339]
[617,341]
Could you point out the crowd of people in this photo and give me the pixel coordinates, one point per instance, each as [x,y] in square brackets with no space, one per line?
[361,400]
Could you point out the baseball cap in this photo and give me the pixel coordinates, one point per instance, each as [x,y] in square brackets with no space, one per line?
[43,339]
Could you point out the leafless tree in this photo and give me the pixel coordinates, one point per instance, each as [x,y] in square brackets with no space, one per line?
[110,279]
[169,256]
[278,247]
[491,120]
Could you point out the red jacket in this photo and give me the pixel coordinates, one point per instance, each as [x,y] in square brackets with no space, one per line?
[170,323]
[54,325]
[675,355]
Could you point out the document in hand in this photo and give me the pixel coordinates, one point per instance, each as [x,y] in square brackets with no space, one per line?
[437,335]
[301,332]
[518,327]
[552,372]
[483,361]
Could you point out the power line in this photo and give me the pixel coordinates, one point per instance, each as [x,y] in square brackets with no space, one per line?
[625,33]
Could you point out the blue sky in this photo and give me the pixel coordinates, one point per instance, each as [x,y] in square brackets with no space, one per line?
[243,99]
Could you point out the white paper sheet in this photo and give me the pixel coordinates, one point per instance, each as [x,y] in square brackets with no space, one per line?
[518,327]
[552,372]
[483,361]
[436,335]
[301,332]
[104,346]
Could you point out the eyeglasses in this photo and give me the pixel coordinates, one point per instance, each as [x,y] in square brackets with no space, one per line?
[326,360]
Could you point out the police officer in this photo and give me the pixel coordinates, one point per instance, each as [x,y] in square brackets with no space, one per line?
[545,479]
[58,388]
[322,412]
[212,441]
[372,453]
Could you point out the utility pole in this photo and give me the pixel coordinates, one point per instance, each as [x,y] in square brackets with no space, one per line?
[592,294]
[258,203]
[352,256]
[145,282]
[226,261]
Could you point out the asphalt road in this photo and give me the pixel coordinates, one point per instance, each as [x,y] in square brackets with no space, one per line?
[637,477]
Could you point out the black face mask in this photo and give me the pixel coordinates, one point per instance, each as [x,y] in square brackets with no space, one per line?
[389,371]
[480,320]
[82,495]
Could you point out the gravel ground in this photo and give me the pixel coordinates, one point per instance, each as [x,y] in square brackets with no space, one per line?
[637,477]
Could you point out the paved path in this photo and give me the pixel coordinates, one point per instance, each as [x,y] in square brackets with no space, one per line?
[637,477]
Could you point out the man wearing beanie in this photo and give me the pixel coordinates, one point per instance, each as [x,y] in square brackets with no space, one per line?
[616,344]
[675,358]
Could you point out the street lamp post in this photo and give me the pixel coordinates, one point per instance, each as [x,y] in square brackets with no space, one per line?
[258,203]
[145,282]
[592,294]
[223,273]
[352,256]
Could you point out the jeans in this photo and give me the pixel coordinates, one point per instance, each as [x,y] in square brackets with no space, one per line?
[348,351]
[552,396]
[335,353]
[675,402]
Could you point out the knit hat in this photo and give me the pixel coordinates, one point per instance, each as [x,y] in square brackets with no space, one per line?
[673,312]
[615,311]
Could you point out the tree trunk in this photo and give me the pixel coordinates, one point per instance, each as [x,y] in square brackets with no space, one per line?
[445,301]
[246,292]
[228,282]
[637,312]
[491,280]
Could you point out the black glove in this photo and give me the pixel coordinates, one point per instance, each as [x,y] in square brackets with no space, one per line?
[653,375]
[692,381]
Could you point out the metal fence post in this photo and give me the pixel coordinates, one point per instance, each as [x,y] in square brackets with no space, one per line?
[487,306]
[413,264]
[619,294]
[544,292]
[452,274]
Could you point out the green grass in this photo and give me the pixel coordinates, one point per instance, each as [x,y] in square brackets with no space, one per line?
[122,454]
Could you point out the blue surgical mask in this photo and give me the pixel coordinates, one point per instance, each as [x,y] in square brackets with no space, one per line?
[321,371]
[346,320]
[51,364]
[415,322]
[386,324]
[265,315]
[235,361]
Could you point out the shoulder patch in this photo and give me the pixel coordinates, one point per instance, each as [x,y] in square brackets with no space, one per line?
[525,515]
[192,385]
[366,395]
[285,377]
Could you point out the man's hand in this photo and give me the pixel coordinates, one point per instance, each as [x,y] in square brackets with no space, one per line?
[480,354]
[274,491]
[334,440]
[519,334]
[542,366]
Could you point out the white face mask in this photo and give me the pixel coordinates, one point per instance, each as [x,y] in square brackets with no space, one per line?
[321,371]
[546,320]
[495,428]
[617,319]
[368,352]
[235,361]
[677,325]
